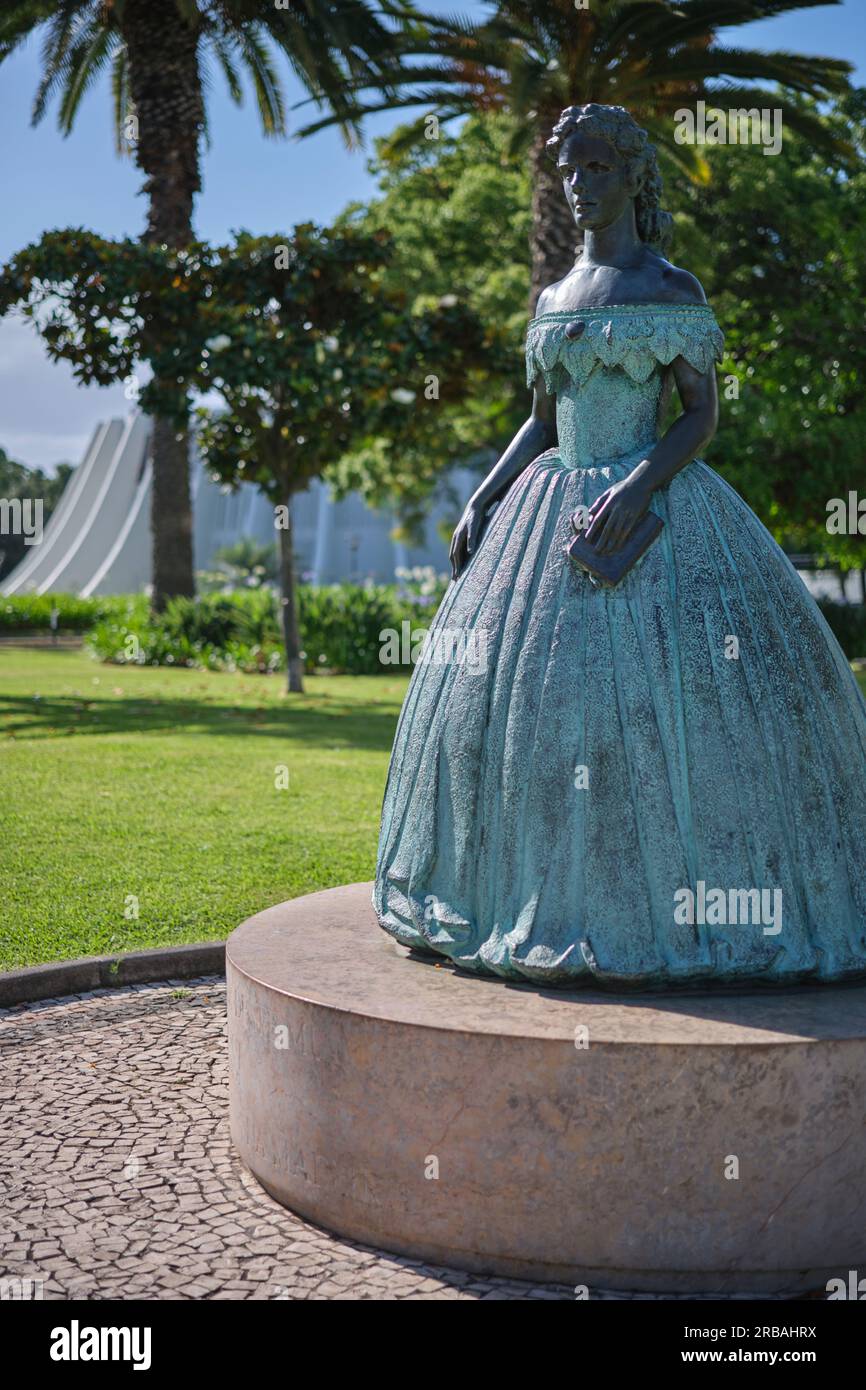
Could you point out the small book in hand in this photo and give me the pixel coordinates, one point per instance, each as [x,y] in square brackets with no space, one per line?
[610,569]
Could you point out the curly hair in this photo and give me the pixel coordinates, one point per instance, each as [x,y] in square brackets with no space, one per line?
[614,124]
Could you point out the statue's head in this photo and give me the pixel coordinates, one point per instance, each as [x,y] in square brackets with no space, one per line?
[606,161]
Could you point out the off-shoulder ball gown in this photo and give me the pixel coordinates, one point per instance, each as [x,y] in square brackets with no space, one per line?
[599,786]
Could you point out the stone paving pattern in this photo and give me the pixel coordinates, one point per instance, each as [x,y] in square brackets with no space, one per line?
[118,1179]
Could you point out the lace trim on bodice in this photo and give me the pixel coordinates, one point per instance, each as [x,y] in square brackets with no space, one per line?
[635,337]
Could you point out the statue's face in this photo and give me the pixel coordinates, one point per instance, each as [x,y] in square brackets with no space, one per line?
[595,179]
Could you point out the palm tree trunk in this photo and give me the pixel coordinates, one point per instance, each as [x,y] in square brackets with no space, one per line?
[165,83]
[170,514]
[289,595]
[554,241]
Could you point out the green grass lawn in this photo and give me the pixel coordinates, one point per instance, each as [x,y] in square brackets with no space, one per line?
[121,782]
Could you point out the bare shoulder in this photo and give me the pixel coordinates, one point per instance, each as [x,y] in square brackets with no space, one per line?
[562,294]
[677,286]
[547,297]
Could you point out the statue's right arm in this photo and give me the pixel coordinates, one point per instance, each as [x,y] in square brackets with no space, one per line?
[534,436]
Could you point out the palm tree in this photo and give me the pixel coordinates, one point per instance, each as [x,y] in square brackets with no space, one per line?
[535,57]
[159,53]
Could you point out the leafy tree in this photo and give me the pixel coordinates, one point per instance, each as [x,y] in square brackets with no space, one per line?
[159,53]
[107,307]
[457,212]
[779,248]
[535,57]
[312,353]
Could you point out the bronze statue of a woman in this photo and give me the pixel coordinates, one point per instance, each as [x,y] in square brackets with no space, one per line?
[652,781]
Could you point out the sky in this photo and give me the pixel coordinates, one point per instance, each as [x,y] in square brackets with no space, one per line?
[50,181]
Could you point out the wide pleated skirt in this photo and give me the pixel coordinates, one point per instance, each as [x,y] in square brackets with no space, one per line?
[659,784]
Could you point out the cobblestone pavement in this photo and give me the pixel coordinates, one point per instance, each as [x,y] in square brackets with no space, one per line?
[118,1178]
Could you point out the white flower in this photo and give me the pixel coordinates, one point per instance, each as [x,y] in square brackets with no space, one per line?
[448,301]
[219,343]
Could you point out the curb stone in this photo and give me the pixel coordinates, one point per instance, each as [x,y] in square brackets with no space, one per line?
[63,977]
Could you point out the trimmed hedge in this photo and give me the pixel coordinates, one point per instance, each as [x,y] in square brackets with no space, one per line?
[32,612]
[340,626]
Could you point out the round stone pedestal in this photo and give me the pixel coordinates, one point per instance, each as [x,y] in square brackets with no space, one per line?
[671,1143]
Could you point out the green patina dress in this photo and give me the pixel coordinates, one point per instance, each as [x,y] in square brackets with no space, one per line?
[586,753]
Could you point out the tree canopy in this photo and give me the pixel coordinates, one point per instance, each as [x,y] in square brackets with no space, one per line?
[775,241]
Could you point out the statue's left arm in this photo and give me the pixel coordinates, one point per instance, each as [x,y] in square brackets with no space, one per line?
[616,512]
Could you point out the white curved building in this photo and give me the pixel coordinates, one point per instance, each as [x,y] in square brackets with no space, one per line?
[98,538]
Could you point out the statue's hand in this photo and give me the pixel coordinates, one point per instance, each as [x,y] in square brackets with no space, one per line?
[466,537]
[614,515]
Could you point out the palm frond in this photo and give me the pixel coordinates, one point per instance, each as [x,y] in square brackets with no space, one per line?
[658,24]
[222,47]
[19,20]
[410,135]
[120,98]
[806,123]
[62,32]
[86,60]
[266,81]
[719,13]
[429,96]
[814,77]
